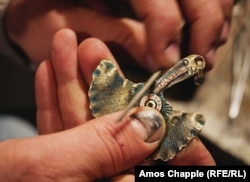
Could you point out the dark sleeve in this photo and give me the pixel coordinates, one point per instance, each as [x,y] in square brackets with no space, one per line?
[8,51]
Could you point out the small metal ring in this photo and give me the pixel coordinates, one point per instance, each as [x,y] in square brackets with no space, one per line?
[151,100]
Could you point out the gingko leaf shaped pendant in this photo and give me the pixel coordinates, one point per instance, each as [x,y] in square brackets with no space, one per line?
[110,92]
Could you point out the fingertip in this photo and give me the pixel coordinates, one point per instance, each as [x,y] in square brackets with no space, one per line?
[90,52]
[210,56]
[167,59]
[63,42]
[39,72]
[40,79]
[63,34]
[94,49]
[64,55]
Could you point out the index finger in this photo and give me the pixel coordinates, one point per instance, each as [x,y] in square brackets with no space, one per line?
[209,26]
[163,21]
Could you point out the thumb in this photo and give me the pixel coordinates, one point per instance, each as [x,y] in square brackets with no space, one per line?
[110,147]
[101,148]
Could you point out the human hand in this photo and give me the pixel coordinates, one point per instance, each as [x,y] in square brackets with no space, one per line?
[62,103]
[61,95]
[153,37]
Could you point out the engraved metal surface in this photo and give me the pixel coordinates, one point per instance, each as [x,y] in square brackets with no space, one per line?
[110,92]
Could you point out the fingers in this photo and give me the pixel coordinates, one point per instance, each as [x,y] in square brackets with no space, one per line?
[128,33]
[194,154]
[48,115]
[104,147]
[90,53]
[209,23]
[71,91]
[62,92]
[128,136]
[209,26]
[163,23]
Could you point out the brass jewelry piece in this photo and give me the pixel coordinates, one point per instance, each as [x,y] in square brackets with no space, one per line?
[110,92]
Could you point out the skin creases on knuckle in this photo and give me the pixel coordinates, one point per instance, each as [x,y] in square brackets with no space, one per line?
[173,20]
[129,33]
